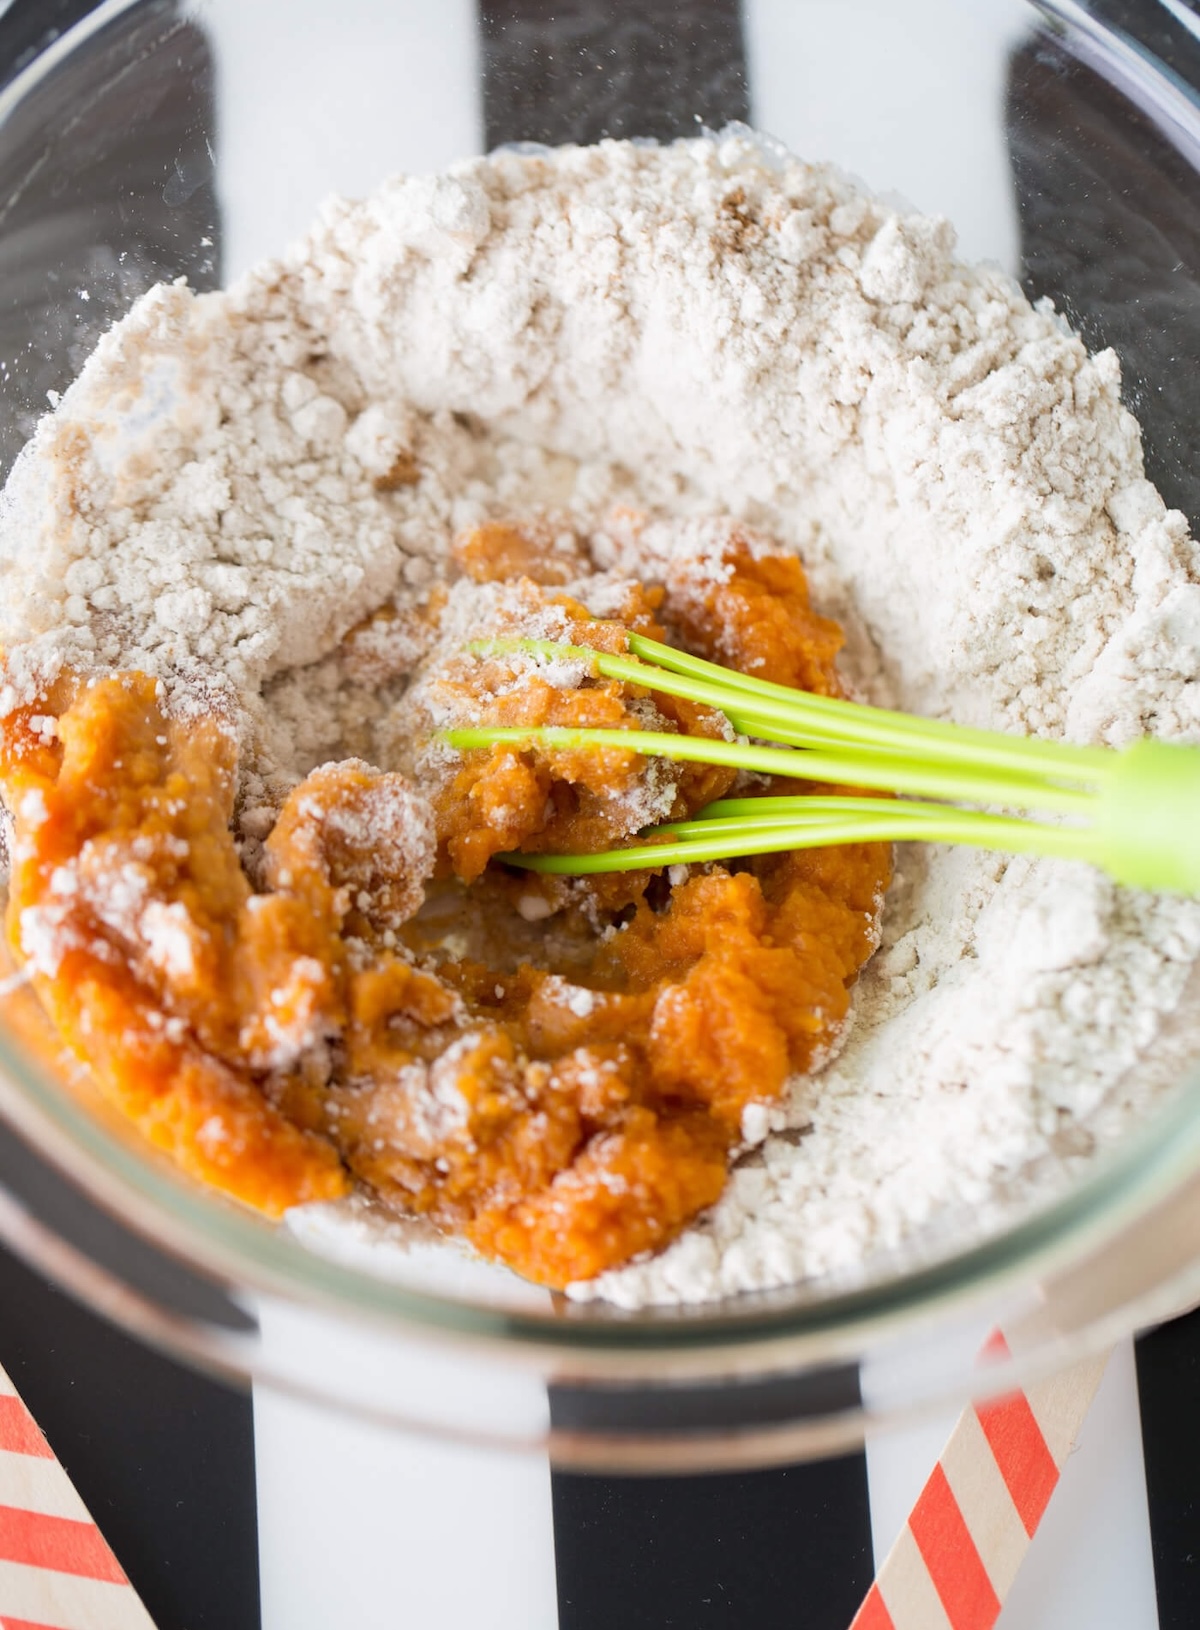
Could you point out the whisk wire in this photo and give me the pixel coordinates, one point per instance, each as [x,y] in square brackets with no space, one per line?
[1134,812]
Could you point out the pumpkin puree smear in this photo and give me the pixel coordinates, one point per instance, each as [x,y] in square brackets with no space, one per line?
[555,1068]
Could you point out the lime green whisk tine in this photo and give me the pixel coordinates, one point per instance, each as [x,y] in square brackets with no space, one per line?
[1137,810]
[837,762]
[861,721]
[781,713]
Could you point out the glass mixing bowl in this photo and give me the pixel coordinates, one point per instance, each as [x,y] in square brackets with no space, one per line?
[156,140]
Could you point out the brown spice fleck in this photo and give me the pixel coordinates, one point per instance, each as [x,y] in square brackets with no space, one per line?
[737,228]
[404,472]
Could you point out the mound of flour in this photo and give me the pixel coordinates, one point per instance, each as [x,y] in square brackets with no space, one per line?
[236,479]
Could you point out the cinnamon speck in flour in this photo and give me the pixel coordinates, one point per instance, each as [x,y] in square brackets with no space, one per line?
[697,333]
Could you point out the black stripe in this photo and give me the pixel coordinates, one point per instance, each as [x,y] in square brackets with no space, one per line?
[29,26]
[162,1457]
[777,1401]
[773,1549]
[722,1550]
[574,71]
[1110,231]
[38,1189]
[1168,1372]
[97,205]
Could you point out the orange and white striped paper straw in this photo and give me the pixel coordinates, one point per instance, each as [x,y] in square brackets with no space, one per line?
[965,1539]
[56,1569]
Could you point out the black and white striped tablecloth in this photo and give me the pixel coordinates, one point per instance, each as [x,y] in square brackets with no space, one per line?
[207,1496]
[340,1523]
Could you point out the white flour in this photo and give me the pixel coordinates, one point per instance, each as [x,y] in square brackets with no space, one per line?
[704,329]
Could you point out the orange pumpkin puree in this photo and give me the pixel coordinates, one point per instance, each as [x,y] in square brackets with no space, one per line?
[565,1091]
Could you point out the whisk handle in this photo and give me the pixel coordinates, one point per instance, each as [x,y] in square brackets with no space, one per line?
[1147,830]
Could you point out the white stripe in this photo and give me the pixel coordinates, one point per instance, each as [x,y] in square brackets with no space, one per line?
[7,1390]
[1060,1403]
[365,1526]
[908,1591]
[859,85]
[358,92]
[67,1602]
[34,1484]
[984,1500]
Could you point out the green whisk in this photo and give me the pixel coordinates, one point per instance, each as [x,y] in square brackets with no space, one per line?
[1134,812]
